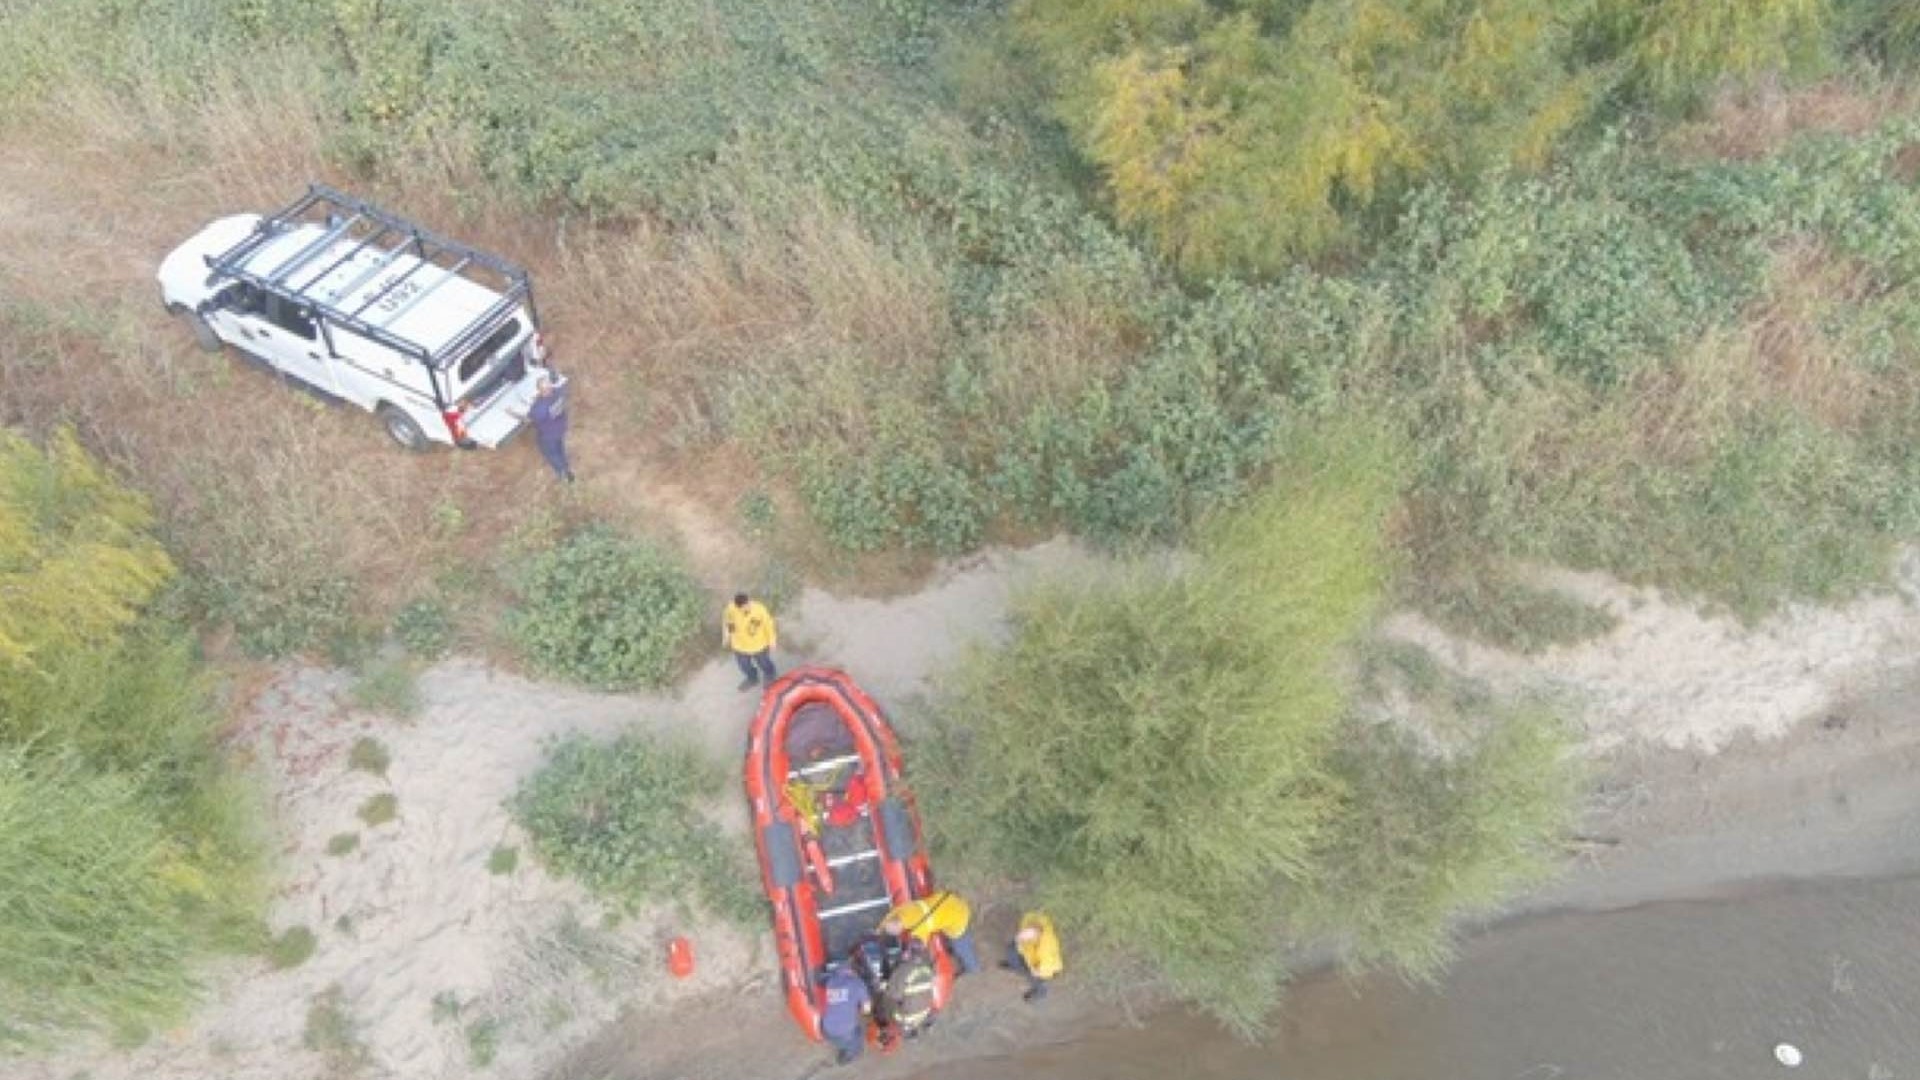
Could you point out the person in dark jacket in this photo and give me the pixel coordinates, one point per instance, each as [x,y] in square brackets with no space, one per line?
[548,414]
[844,1021]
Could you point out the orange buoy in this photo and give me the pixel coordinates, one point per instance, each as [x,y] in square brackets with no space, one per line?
[680,957]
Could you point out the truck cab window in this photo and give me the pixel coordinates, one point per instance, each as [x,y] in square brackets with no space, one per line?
[290,317]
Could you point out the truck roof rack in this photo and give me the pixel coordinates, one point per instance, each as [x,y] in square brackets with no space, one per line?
[342,217]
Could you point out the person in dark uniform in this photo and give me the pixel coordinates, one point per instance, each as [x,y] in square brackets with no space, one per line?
[548,414]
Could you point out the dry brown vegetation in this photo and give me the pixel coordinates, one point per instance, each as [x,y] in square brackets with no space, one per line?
[1747,123]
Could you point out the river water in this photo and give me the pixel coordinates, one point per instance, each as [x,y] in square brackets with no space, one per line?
[1695,990]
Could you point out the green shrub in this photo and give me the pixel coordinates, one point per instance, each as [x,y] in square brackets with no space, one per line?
[1422,839]
[387,685]
[758,515]
[291,948]
[1151,751]
[369,755]
[379,809]
[502,861]
[274,614]
[332,1033]
[1154,751]
[626,819]
[1886,30]
[1677,48]
[345,843]
[607,610]
[483,1042]
[425,628]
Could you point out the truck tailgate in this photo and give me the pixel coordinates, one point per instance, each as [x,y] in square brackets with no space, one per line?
[495,420]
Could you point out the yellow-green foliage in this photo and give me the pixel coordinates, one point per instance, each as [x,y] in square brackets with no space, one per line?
[1237,145]
[76,562]
[126,846]
[1675,47]
[1239,142]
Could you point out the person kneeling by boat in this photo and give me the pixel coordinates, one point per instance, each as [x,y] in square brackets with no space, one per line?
[906,1004]
[843,1022]
[873,958]
[943,913]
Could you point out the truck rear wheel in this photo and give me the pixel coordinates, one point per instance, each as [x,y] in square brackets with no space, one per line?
[401,428]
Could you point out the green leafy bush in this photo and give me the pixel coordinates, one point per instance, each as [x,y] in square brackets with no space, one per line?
[1149,752]
[626,819]
[607,610]
[1424,837]
[502,861]
[379,809]
[369,754]
[1154,751]
[388,685]
[291,947]
[483,1042]
[425,628]
[332,1032]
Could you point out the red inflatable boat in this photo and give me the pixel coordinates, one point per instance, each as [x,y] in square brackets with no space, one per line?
[838,834]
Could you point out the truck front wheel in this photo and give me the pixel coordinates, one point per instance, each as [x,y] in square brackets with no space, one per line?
[203,334]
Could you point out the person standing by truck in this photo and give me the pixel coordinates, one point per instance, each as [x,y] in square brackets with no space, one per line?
[548,414]
[746,628]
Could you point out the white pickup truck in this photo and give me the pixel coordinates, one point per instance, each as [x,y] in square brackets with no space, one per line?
[438,340]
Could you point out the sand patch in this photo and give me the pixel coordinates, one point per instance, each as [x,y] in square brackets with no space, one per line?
[1673,675]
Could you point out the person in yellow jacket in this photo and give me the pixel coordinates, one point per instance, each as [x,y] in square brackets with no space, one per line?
[1035,954]
[943,913]
[746,627]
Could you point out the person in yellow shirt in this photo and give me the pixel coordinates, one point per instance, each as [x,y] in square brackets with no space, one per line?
[943,913]
[746,627]
[1035,954]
